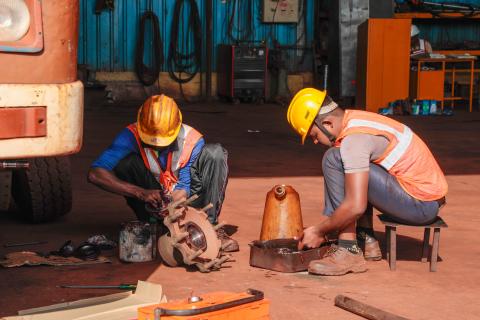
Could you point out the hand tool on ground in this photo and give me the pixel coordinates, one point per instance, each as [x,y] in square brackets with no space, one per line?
[364,310]
[21,244]
[192,239]
[122,286]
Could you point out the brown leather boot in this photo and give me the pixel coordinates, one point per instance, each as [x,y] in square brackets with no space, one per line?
[228,244]
[338,261]
[370,247]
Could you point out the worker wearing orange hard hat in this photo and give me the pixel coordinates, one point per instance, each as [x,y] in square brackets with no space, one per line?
[373,161]
[159,159]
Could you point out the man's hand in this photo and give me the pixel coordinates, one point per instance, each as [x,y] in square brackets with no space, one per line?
[153,197]
[311,237]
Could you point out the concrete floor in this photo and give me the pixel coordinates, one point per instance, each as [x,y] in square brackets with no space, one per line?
[258,161]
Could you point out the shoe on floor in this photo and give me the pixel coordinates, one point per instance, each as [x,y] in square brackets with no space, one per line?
[370,247]
[338,261]
[228,244]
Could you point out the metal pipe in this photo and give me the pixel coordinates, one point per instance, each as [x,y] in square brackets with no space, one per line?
[209,44]
[14,165]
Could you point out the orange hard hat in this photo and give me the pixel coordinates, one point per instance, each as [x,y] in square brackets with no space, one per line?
[159,121]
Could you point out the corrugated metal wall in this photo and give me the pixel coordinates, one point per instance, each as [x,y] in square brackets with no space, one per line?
[107,41]
[451,33]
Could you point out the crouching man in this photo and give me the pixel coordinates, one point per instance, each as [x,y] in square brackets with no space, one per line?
[373,161]
[159,158]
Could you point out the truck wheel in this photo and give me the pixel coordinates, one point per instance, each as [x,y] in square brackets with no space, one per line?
[44,191]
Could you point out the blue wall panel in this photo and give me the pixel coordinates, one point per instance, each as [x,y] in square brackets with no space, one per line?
[107,41]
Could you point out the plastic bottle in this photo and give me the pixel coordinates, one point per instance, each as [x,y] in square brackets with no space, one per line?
[415,108]
[425,107]
[433,107]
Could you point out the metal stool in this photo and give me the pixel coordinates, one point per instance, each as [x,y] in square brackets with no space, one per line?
[391,234]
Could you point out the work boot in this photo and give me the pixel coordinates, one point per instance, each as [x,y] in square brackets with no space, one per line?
[228,244]
[338,261]
[370,246]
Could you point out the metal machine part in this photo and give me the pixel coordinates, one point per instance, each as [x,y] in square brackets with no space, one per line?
[191,239]
[282,255]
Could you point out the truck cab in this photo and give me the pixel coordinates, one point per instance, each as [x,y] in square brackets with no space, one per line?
[41,105]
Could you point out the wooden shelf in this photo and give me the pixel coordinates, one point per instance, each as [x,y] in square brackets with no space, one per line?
[426,15]
[454,98]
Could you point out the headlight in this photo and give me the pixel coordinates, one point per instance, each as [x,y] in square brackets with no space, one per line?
[14,20]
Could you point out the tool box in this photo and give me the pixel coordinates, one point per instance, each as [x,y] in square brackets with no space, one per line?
[211,306]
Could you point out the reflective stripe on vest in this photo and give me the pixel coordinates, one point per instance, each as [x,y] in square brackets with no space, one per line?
[176,159]
[404,139]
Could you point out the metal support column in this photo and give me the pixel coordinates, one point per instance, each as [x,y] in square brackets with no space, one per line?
[209,44]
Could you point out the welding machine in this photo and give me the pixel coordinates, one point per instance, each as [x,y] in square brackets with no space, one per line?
[242,71]
[211,306]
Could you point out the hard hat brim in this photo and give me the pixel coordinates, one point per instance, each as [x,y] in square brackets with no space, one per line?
[156,141]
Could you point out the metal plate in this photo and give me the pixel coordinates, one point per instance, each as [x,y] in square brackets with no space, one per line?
[23,122]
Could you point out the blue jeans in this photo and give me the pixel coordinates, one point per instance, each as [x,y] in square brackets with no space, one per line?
[384,193]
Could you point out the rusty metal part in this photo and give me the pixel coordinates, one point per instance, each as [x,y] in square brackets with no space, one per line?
[282,255]
[13,165]
[23,122]
[364,310]
[192,239]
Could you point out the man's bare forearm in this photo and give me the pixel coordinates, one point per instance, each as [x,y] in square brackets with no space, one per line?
[340,219]
[108,181]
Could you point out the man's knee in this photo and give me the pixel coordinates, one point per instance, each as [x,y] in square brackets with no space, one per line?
[214,153]
[332,158]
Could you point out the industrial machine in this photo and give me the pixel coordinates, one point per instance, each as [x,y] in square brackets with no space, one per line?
[41,105]
[191,239]
[242,71]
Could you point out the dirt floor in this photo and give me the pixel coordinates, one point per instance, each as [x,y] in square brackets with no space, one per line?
[258,161]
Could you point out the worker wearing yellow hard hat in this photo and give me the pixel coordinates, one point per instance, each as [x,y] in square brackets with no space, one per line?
[159,159]
[373,161]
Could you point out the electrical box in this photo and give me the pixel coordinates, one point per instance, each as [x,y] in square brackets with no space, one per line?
[242,71]
[280,11]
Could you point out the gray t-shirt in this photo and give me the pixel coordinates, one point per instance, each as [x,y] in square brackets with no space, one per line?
[358,150]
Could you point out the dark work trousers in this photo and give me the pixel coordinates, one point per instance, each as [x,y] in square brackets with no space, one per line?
[384,193]
[209,177]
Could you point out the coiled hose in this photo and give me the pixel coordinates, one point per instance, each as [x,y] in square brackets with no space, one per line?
[149,74]
[184,59]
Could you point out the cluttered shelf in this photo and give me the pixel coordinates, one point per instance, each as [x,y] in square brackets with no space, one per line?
[427,15]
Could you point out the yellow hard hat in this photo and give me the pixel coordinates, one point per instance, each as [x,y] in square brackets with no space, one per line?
[303,110]
[159,121]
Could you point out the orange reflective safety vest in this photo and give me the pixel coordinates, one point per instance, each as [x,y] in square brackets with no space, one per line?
[178,156]
[407,157]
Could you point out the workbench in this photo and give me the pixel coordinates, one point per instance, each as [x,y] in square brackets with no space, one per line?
[429,84]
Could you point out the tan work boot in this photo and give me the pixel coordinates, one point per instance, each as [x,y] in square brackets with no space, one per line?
[228,244]
[338,261]
[370,247]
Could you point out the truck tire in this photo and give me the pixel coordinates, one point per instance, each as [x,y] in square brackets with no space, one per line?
[44,191]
